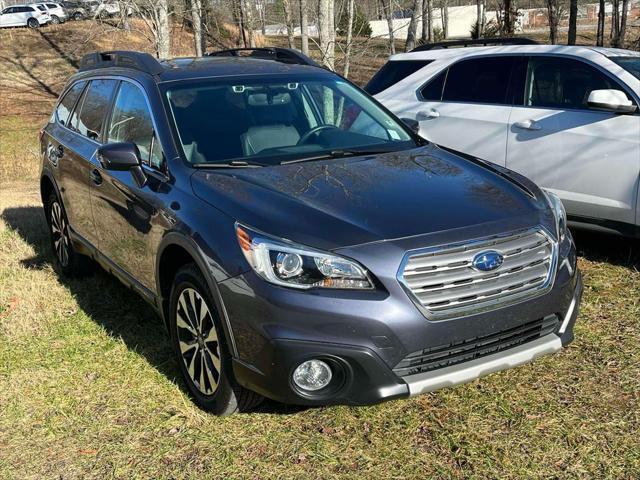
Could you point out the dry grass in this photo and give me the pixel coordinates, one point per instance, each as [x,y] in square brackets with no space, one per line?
[88,384]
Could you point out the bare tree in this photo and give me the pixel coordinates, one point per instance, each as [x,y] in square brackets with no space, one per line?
[288,20]
[619,22]
[573,20]
[413,25]
[444,15]
[427,21]
[555,12]
[600,34]
[347,53]
[387,9]
[196,18]
[304,27]
[247,14]
[155,15]
[479,15]
[327,33]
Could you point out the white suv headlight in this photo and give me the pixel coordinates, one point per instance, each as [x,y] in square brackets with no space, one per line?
[287,264]
[559,212]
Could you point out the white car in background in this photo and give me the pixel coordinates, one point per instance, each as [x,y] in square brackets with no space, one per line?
[23,16]
[57,13]
[566,117]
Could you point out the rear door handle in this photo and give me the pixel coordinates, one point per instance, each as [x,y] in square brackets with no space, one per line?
[428,114]
[528,125]
[96,177]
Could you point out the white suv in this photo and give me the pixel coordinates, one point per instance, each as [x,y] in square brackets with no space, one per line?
[566,117]
[23,16]
[57,13]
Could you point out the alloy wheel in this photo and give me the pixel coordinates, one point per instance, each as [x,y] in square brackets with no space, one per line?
[60,234]
[198,341]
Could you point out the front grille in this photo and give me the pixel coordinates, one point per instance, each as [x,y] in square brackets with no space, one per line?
[444,283]
[446,355]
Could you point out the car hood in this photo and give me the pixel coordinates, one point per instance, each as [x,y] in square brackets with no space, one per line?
[344,202]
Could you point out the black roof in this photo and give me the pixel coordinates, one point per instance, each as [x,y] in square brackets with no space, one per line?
[219,64]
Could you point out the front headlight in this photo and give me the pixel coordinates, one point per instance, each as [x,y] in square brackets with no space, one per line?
[290,265]
[559,212]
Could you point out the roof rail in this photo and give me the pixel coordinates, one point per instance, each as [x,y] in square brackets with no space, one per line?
[284,55]
[122,58]
[480,42]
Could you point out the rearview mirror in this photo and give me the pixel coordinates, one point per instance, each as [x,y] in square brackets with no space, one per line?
[610,101]
[413,125]
[122,157]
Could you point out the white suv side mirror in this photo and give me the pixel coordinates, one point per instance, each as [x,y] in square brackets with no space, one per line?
[611,101]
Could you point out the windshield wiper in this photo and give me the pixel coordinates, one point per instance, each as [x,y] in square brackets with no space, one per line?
[338,153]
[231,164]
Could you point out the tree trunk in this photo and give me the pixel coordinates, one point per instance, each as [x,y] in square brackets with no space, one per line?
[479,18]
[552,17]
[124,17]
[304,25]
[615,25]
[623,24]
[163,35]
[445,18]
[347,53]
[508,21]
[326,25]
[427,21]
[196,18]
[248,21]
[573,22]
[600,34]
[387,9]
[288,20]
[413,26]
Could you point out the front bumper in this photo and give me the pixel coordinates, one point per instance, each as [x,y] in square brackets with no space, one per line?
[274,336]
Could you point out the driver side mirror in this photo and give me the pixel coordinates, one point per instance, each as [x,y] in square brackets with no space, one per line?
[413,125]
[610,101]
[122,157]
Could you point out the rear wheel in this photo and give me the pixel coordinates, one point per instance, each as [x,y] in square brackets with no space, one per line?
[55,20]
[33,23]
[67,260]
[77,16]
[199,343]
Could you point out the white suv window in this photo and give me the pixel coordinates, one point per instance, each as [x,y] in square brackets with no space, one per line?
[557,82]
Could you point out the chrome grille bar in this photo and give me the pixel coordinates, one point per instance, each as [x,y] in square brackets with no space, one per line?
[443,282]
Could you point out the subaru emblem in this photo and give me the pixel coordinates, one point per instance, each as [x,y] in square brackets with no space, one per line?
[487,261]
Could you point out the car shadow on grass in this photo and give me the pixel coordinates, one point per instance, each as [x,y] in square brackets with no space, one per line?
[120,311]
[612,249]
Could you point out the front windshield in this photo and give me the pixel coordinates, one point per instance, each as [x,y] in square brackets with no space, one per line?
[631,64]
[272,121]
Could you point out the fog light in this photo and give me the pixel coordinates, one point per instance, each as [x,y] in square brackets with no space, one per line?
[312,375]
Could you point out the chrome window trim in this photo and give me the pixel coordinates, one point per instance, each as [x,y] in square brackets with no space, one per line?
[489,305]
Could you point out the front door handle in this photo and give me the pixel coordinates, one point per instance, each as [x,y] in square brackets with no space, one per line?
[428,114]
[528,125]
[96,177]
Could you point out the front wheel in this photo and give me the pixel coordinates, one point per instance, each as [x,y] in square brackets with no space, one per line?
[199,343]
[77,16]
[33,23]
[55,20]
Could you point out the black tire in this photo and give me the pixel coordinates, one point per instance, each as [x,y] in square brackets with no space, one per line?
[77,16]
[55,20]
[199,343]
[33,23]
[67,260]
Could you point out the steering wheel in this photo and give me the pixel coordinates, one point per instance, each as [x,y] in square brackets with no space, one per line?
[313,131]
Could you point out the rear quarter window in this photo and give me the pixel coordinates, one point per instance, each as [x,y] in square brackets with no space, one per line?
[393,72]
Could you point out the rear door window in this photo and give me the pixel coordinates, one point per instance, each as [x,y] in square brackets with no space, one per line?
[63,112]
[88,117]
[392,72]
[479,80]
[432,91]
